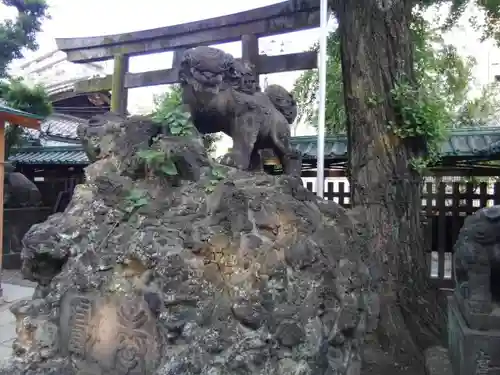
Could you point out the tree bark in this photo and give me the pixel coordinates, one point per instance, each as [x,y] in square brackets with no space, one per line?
[376,50]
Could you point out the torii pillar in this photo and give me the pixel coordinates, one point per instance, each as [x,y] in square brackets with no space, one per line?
[19,118]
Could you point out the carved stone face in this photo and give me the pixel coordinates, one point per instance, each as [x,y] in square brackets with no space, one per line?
[204,68]
[283,101]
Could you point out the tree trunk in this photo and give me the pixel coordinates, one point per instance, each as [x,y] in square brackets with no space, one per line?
[376,49]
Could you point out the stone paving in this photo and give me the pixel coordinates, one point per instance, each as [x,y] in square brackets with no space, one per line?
[11,294]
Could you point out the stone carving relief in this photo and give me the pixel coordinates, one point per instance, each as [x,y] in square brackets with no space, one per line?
[37,336]
[116,334]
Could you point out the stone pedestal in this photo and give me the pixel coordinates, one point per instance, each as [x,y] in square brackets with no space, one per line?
[471,351]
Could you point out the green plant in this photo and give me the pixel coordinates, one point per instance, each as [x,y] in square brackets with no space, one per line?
[17,36]
[421,115]
[171,102]
[177,121]
[135,200]
[217,175]
[168,113]
[158,162]
[18,95]
[437,64]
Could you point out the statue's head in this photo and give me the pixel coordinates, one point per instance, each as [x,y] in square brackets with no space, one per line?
[203,71]
[242,77]
[283,101]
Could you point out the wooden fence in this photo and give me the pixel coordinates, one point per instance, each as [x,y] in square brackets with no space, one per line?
[446,205]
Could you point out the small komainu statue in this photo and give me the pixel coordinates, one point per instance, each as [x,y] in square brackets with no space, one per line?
[477,261]
[19,191]
[224,96]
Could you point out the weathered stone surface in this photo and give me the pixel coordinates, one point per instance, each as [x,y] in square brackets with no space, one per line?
[437,361]
[283,101]
[477,268]
[471,351]
[474,308]
[224,96]
[212,271]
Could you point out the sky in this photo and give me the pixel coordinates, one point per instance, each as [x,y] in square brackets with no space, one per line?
[99,17]
[77,18]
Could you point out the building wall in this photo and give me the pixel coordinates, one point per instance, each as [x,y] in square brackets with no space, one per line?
[55,72]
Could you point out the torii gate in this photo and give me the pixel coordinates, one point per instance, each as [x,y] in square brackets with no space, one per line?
[14,117]
[248,27]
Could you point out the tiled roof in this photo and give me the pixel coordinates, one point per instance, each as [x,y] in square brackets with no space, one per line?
[61,126]
[335,147]
[465,142]
[68,155]
[15,112]
[56,125]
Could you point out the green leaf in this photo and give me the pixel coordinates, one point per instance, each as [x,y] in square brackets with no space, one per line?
[151,155]
[175,130]
[169,168]
[218,173]
[441,72]
[135,194]
[141,202]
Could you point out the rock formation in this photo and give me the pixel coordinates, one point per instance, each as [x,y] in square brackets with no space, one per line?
[166,262]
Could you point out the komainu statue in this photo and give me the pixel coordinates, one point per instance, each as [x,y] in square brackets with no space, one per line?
[224,96]
[283,101]
[19,191]
[477,261]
